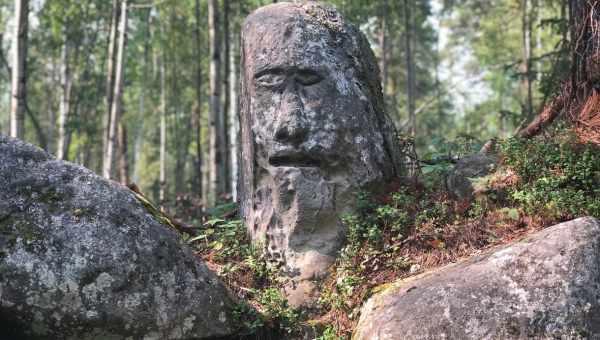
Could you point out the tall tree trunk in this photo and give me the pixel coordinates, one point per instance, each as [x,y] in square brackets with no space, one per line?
[225,185]
[383,44]
[197,111]
[527,45]
[110,72]
[163,135]
[233,114]
[215,168]
[123,155]
[410,68]
[49,108]
[19,71]
[115,112]
[65,102]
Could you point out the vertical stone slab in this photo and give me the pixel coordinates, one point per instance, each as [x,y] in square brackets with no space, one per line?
[313,132]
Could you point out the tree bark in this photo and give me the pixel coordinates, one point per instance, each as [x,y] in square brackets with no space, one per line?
[383,44]
[215,168]
[234,114]
[197,110]
[577,99]
[225,184]
[19,70]
[110,71]
[163,135]
[527,28]
[410,68]
[115,112]
[123,155]
[65,102]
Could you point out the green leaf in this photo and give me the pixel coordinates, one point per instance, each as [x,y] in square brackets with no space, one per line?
[214,222]
[216,245]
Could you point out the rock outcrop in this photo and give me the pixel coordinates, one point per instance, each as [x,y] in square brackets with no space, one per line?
[313,133]
[459,180]
[81,258]
[547,286]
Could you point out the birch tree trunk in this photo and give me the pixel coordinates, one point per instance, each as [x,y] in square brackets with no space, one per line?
[115,112]
[214,103]
[19,70]
[233,114]
[110,72]
[65,101]
[225,185]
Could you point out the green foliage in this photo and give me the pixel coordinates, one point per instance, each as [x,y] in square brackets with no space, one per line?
[330,333]
[249,317]
[272,310]
[559,177]
[275,310]
[228,244]
[227,238]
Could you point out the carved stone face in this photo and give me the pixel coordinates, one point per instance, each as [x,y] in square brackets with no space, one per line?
[313,132]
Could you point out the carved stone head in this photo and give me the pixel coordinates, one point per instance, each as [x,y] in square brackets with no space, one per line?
[314,133]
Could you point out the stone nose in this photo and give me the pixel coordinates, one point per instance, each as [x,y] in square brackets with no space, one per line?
[291,126]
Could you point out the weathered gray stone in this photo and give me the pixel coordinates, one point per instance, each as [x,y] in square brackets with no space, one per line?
[81,258]
[547,286]
[459,180]
[313,133]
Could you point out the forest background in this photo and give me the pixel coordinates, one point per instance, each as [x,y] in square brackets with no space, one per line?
[146,92]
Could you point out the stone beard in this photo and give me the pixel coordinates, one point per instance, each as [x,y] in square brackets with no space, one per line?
[313,134]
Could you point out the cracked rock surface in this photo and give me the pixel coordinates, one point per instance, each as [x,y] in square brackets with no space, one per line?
[546,286]
[80,258]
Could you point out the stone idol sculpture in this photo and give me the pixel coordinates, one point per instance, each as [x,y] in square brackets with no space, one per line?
[313,132]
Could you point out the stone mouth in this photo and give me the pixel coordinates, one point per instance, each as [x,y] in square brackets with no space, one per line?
[298,160]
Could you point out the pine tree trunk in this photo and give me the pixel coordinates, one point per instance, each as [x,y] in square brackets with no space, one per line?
[163,135]
[527,45]
[234,114]
[578,99]
[115,112]
[215,107]
[383,44]
[110,72]
[123,155]
[197,188]
[225,185]
[19,70]
[65,102]
[410,69]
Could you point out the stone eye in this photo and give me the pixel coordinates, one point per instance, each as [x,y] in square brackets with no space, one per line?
[270,79]
[308,77]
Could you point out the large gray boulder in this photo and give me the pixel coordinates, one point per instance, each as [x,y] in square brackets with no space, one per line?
[547,286]
[314,133]
[81,258]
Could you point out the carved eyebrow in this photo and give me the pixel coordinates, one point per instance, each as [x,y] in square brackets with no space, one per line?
[271,70]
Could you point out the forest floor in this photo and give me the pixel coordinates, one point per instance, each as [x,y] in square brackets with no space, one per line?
[413,227]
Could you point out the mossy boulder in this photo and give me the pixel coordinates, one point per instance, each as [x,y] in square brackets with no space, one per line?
[81,258]
[546,286]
